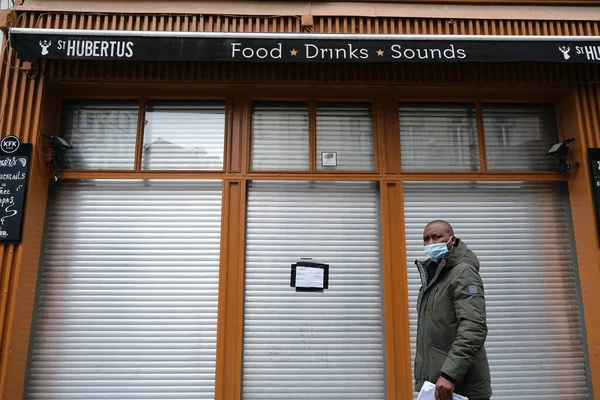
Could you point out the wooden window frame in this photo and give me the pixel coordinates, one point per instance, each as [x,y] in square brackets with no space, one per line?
[141,130]
[312,103]
[239,100]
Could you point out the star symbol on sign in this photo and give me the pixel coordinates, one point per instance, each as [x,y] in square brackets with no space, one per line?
[380,52]
[293,52]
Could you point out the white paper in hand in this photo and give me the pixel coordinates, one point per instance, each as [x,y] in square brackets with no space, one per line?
[428,393]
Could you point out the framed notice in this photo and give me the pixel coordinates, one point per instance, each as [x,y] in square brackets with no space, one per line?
[329,159]
[309,277]
[594,164]
[15,162]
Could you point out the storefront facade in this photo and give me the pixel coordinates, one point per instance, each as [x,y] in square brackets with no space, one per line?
[159,264]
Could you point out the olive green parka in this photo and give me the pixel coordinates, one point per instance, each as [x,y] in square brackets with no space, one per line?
[452,324]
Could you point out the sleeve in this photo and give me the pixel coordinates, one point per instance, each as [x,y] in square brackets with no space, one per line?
[469,303]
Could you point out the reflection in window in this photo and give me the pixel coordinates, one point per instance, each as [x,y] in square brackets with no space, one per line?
[346,130]
[102,132]
[517,136]
[280,136]
[438,137]
[184,135]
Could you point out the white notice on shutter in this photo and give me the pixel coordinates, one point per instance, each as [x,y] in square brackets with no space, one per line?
[309,277]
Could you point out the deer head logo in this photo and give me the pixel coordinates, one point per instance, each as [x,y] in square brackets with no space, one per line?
[44,44]
[565,50]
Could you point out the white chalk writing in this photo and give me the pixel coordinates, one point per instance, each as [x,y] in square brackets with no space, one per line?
[9,210]
[12,177]
[8,162]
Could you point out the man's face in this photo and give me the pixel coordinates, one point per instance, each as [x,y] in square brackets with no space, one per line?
[437,233]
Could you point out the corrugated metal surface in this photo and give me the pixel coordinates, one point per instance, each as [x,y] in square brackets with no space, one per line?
[20,115]
[347,129]
[520,233]
[438,137]
[280,136]
[517,136]
[584,105]
[184,135]
[313,345]
[128,296]
[3,5]
[102,132]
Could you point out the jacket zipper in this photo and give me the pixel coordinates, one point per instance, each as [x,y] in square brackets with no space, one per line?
[433,299]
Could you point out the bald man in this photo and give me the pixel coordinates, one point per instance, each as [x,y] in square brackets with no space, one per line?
[452,326]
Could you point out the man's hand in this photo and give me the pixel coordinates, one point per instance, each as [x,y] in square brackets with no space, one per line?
[443,389]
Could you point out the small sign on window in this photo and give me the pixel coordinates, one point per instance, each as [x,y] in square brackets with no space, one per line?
[329,159]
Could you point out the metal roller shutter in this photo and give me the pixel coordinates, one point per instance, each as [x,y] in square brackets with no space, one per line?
[301,345]
[520,232]
[127,304]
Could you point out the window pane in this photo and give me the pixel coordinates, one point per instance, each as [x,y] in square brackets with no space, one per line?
[102,133]
[517,136]
[280,136]
[345,129]
[438,137]
[184,135]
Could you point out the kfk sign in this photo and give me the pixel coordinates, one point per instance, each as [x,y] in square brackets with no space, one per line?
[291,48]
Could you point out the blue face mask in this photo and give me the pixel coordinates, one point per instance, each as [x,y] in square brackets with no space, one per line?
[437,251]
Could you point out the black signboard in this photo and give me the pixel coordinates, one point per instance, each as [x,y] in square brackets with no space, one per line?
[33,43]
[594,163]
[15,160]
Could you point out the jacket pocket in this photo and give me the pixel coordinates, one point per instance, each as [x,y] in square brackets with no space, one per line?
[476,381]
[437,358]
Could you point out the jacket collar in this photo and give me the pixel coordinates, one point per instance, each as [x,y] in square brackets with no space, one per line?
[455,255]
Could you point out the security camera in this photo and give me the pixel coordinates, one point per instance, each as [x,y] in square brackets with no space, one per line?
[58,144]
[61,143]
[560,149]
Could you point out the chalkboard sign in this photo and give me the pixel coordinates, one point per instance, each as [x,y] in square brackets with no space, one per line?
[594,160]
[15,160]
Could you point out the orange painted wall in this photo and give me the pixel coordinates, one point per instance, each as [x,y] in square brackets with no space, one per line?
[581,118]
